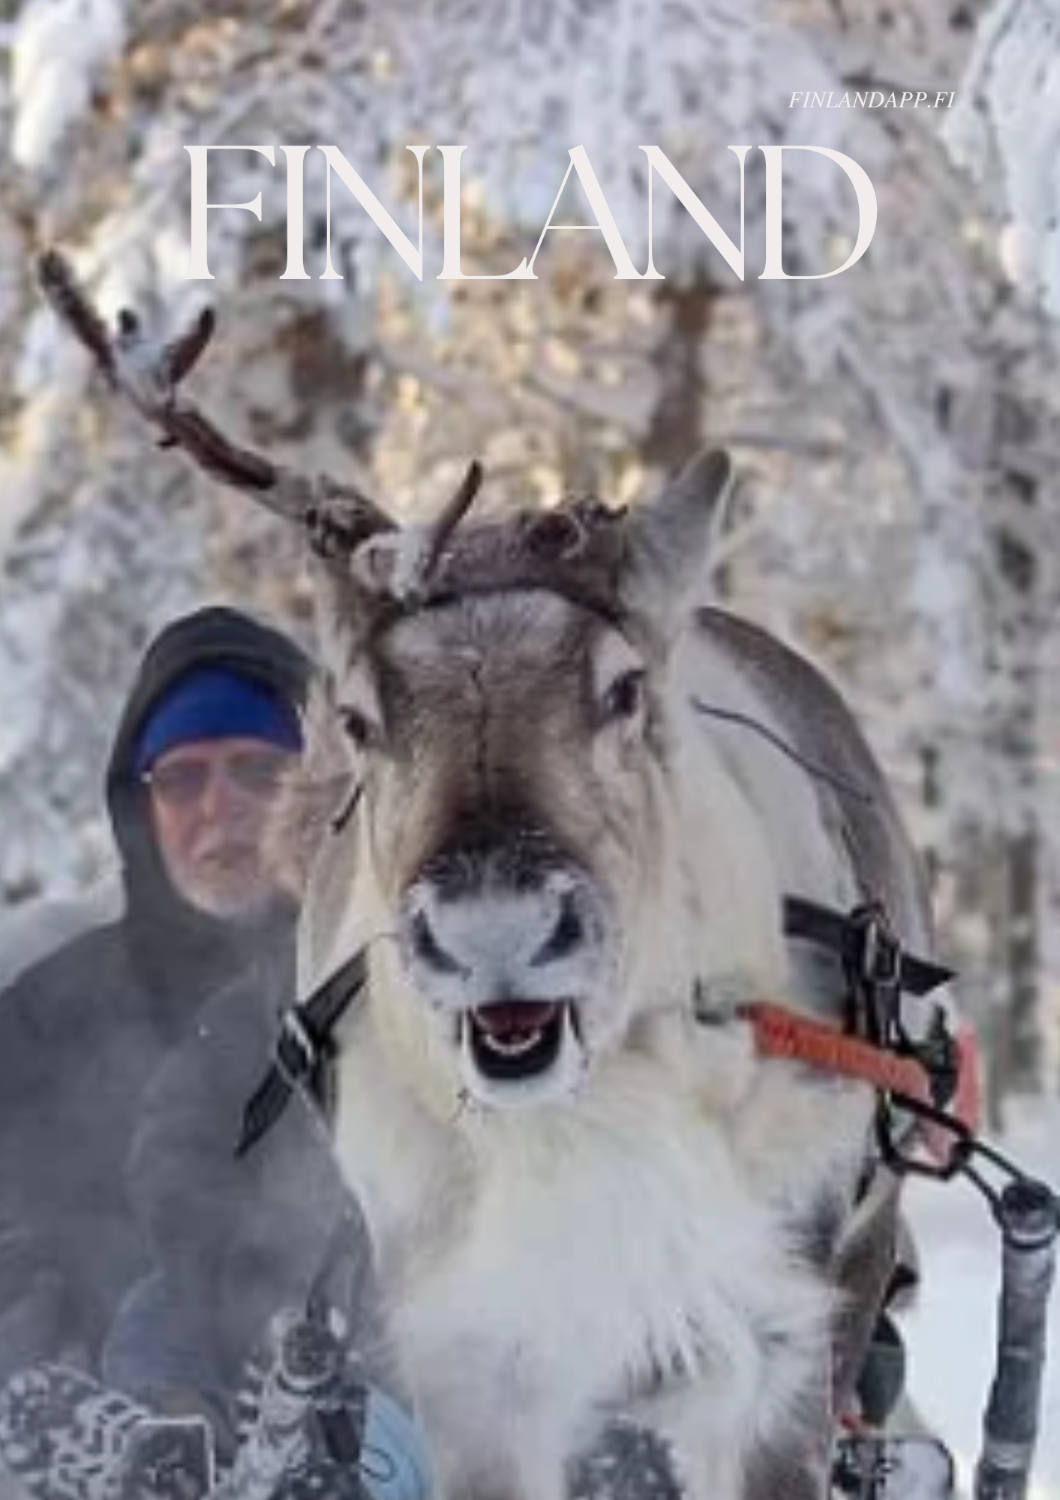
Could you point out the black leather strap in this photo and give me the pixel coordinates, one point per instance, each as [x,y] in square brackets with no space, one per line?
[304,1051]
[841,932]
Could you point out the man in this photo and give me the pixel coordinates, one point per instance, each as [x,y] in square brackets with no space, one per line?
[137,1245]
[211,726]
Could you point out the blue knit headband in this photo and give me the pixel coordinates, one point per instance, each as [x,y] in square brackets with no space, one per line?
[215,703]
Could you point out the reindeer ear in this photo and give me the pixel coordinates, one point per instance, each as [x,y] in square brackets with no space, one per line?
[670,538]
[354,575]
[344,609]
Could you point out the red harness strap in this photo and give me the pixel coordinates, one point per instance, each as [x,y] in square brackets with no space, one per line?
[967,1102]
[783,1033]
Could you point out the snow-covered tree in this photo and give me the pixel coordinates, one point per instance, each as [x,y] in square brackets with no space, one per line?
[886,419]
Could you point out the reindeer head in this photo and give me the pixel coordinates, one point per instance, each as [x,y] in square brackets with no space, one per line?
[504,696]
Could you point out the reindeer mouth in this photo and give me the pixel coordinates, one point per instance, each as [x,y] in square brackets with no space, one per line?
[511,1040]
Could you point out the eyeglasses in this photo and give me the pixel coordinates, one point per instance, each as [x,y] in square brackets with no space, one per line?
[182,783]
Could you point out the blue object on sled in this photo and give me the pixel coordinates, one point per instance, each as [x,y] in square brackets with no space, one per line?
[394,1463]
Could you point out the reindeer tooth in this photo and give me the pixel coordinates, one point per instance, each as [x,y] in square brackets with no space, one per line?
[513,1045]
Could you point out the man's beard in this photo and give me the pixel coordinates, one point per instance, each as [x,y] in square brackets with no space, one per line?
[232,888]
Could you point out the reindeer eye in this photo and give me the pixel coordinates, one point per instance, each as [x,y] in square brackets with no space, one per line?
[357,727]
[624,698]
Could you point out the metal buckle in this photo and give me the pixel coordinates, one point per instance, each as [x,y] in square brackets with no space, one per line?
[874,970]
[293,1030]
[965,1143]
[881,952]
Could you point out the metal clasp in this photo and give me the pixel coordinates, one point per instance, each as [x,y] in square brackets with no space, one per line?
[294,1031]
[873,961]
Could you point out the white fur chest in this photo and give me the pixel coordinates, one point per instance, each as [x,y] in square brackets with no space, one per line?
[576,1261]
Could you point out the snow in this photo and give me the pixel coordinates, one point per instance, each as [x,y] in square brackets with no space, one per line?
[60,51]
[1006,124]
[950,1333]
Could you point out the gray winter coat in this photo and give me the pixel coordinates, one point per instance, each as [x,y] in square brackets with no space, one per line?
[83,1032]
[238,1238]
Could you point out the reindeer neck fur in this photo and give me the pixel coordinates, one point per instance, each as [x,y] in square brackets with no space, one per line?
[637,1252]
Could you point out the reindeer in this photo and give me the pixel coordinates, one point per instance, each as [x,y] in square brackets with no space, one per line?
[573,801]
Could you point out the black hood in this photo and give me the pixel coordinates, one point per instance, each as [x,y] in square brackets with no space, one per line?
[161,925]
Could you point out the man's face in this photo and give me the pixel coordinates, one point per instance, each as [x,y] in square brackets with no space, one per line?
[209,803]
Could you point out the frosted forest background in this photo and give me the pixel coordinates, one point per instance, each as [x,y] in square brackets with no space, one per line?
[896,427]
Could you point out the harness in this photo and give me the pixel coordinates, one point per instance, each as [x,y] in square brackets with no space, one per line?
[927,1110]
[304,1053]
[874,1045]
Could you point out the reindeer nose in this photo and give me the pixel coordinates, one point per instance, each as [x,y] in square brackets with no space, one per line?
[566,935]
[477,940]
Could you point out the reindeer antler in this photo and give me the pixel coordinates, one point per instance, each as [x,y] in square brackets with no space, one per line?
[577,548]
[451,517]
[337,518]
